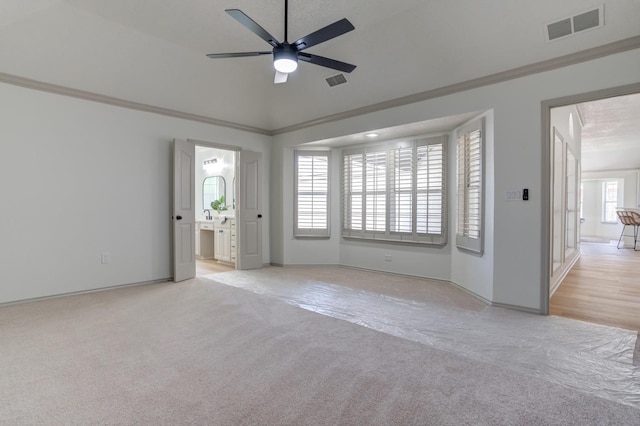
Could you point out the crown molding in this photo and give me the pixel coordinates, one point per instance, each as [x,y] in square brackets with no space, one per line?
[95,97]
[538,67]
[535,68]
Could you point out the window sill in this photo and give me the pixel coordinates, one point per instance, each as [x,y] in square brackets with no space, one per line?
[438,244]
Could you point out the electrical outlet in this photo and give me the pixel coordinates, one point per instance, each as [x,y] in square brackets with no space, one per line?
[105,258]
[388,258]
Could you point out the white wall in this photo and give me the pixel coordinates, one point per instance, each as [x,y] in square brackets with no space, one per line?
[562,118]
[278,208]
[593,225]
[516,274]
[301,251]
[472,272]
[593,200]
[80,178]
[591,207]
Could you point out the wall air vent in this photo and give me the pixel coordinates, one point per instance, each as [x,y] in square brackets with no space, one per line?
[575,24]
[335,80]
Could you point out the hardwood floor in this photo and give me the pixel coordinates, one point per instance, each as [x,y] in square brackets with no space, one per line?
[211,266]
[603,287]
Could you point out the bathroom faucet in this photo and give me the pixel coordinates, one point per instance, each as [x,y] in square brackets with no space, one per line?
[208,216]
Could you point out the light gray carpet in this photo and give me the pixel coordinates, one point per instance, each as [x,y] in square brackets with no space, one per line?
[576,354]
[204,353]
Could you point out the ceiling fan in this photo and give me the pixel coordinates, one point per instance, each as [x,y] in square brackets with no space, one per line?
[285,54]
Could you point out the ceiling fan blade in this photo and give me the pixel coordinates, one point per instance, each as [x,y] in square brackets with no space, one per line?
[323,34]
[280,77]
[249,23]
[326,62]
[237,55]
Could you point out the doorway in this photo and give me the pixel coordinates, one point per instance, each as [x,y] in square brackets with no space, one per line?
[245,250]
[215,200]
[600,283]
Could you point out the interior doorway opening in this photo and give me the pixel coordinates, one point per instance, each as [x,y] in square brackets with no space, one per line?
[216,242]
[589,278]
[245,250]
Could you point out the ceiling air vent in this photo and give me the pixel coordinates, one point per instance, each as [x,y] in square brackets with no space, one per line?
[335,80]
[575,24]
[559,29]
[584,21]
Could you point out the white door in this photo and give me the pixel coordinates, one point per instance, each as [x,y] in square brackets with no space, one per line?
[184,204]
[249,226]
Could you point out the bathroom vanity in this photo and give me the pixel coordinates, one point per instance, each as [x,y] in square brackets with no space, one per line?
[216,239]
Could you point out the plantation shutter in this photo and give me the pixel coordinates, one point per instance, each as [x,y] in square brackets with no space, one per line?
[375,212]
[469,232]
[396,191]
[402,190]
[353,173]
[311,204]
[430,185]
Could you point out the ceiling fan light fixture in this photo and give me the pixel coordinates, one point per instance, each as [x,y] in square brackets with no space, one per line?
[285,55]
[285,59]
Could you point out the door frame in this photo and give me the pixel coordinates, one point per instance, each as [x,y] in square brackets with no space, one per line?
[546,213]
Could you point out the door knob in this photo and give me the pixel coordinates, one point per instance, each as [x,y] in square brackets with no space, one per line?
[178,217]
[259,216]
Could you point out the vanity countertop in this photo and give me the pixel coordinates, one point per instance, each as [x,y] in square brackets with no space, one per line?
[215,219]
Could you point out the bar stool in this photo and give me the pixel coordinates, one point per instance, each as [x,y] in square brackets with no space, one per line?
[629,218]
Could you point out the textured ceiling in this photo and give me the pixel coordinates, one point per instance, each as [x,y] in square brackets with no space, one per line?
[611,133]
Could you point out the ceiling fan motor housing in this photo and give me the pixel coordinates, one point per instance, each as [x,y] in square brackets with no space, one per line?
[285,58]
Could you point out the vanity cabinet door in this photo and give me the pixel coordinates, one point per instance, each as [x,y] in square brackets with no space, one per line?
[223,238]
[222,243]
[218,244]
[226,248]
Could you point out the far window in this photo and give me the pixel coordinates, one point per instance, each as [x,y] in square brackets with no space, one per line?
[610,201]
[311,188]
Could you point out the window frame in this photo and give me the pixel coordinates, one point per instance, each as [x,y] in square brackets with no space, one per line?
[464,240]
[350,195]
[311,232]
[606,202]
